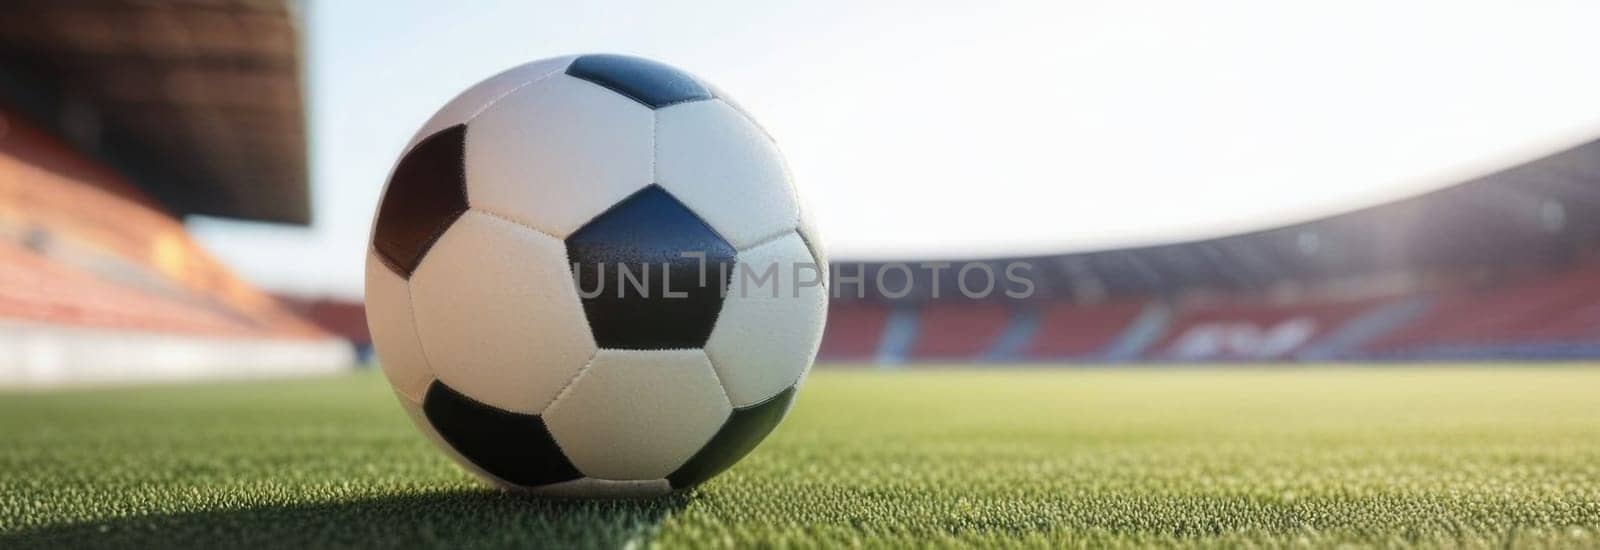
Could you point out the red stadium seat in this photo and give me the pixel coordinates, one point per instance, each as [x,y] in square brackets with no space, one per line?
[1551,309]
[957,331]
[1067,330]
[854,331]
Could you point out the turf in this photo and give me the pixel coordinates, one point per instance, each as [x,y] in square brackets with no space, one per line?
[1473,457]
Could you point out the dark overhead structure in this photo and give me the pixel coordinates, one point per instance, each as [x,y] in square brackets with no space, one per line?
[198,101]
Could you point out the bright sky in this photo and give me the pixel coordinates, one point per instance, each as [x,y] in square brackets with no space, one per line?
[922,128]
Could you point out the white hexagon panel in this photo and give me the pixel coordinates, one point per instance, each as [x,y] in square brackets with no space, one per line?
[466,105]
[555,153]
[724,167]
[389,321]
[638,414]
[498,315]
[770,326]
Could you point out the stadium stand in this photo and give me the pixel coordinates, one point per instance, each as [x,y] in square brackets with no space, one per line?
[1543,316]
[117,119]
[1502,266]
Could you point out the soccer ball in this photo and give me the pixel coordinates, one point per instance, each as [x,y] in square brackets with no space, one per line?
[591,276]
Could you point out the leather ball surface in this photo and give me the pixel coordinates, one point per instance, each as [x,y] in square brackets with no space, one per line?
[592,276]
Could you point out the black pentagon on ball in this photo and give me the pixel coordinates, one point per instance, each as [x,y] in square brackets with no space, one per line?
[651,274]
[745,429]
[515,447]
[426,194]
[649,82]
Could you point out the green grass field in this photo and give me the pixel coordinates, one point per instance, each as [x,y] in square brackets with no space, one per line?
[1475,457]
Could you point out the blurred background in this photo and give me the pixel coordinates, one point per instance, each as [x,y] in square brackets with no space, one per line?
[186,186]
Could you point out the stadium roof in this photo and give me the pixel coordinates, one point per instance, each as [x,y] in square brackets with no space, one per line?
[198,101]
